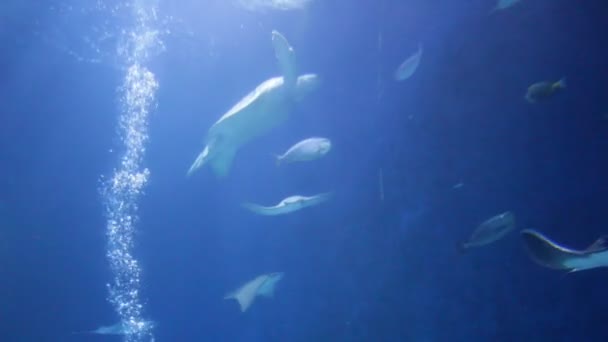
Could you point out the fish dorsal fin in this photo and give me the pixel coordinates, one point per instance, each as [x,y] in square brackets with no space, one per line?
[599,245]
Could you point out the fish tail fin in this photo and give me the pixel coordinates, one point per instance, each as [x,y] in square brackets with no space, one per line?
[529,98]
[561,84]
[200,160]
[250,206]
[256,208]
[569,272]
[244,301]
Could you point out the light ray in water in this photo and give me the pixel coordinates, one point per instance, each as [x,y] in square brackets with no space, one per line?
[122,191]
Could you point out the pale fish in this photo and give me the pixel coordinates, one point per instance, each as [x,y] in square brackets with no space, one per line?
[409,66]
[490,230]
[288,205]
[504,4]
[305,150]
[266,5]
[552,255]
[262,285]
[544,90]
[119,328]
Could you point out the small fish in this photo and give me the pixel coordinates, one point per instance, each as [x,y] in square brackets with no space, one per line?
[119,328]
[490,231]
[544,90]
[409,66]
[262,285]
[288,205]
[504,4]
[305,150]
[551,255]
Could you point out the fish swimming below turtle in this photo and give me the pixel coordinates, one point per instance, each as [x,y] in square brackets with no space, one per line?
[550,254]
[305,150]
[288,205]
[542,91]
[489,231]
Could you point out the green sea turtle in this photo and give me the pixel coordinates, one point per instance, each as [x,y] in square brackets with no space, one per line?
[257,113]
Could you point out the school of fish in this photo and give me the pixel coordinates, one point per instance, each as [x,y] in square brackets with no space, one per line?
[271,103]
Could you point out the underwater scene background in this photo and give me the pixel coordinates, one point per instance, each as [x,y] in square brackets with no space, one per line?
[106,104]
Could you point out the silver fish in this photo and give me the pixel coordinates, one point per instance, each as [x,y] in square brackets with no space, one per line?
[544,90]
[409,66]
[288,205]
[490,230]
[305,150]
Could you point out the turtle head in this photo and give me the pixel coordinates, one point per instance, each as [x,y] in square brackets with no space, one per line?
[305,85]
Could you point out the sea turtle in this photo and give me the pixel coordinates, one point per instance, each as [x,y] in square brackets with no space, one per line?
[257,113]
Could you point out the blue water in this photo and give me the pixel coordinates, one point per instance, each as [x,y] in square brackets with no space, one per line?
[357,268]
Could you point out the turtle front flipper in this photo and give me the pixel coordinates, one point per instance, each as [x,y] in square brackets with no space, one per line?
[200,160]
[222,161]
[286,57]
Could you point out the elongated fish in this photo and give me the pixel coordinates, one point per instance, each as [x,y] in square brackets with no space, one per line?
[305,150]
[288,205]
[549,254]
[490,230]
[409,66]
[504,4]
[262,285]
[117,329]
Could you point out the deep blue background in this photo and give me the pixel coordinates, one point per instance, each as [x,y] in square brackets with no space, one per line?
[357,268]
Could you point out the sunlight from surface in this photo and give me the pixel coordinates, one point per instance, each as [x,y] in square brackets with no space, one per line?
[264,5]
